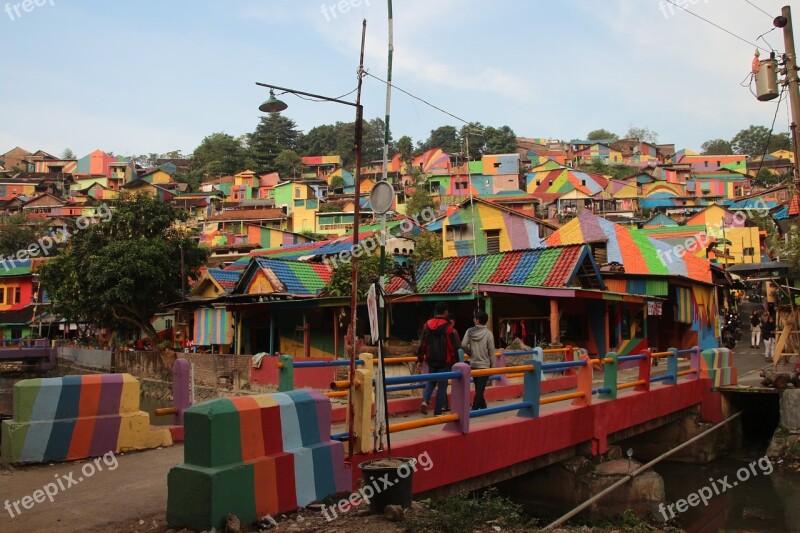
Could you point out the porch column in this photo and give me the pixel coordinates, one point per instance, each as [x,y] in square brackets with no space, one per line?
[555,329]
[335,334]
[602,350]
[271,334]
[488,306]
[306,336]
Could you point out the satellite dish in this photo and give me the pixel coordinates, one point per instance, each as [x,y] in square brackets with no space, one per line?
[381,197]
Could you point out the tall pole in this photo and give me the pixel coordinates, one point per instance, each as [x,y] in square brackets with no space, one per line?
[792,82]
[355,254]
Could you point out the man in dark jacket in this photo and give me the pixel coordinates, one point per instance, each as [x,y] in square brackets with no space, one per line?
[479,344]
[768,334]
[439,341]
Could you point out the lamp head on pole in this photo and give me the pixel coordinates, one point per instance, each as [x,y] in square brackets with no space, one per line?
[273,105]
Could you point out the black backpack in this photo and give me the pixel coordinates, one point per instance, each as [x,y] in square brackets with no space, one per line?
[436,345]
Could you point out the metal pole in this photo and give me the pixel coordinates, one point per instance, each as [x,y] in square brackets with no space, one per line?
[635,473]
[794,95]
[354,261]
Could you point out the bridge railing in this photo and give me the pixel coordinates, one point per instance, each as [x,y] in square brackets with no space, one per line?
[24,343]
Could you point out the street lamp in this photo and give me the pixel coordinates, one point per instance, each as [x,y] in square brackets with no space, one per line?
[273,105]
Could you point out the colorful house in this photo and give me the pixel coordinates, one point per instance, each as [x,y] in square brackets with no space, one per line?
[17,306]
[321,166]
[274,238]
[140,186]
[684,309]
[712,163]
[662,194]
[599,152]
[718,184]
[479,226]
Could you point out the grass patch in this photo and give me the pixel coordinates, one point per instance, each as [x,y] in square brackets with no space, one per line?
[465,513]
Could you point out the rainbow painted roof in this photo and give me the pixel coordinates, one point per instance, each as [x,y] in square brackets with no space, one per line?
[225,278]
[538,267]
[632,248]
[549,185]
[286,277]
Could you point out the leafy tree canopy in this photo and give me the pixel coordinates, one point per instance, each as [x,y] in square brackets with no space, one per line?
[601,135]
[274,132]
[219,154]
[368,272]
[17,234]
[428,246]
[754,140]
[717,147]
[119,273]
[419,201]
[68,154]
[287,163]
[444,137]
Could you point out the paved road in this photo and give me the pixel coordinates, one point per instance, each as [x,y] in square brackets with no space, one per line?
[136,488]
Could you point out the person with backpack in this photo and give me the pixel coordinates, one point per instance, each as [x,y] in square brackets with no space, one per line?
[479,344]
[438,345]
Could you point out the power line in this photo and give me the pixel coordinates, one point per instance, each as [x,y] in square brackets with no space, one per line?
[755,6]
[393,86]
[716,25]
[771,128]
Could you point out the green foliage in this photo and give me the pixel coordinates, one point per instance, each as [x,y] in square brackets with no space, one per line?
[501,140]
[755,139]
[16,234]
[273,134]
[405,146]
[368,272]
[337,182]
[465,513]
[615,171]
[287,163]
[717,147]
[419,201]
[68,154]
[444,137]
[119,273]
[601,135]
[428,246]
[219,154]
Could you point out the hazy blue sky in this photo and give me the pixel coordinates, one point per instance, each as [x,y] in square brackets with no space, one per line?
[156,75]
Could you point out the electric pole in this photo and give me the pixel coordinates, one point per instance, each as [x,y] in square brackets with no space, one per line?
[785,21]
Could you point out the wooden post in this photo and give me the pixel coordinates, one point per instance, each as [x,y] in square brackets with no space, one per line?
[610,377]
[531,390]
[584,382]
[672,367]
[555,330]
[459,400]
[644,371]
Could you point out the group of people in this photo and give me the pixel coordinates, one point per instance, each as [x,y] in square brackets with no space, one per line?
[439,345]
[763,327]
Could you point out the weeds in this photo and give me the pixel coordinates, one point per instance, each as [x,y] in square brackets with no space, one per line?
[464,513]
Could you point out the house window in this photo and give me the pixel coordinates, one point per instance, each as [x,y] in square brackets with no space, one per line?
[2,296]
[492,241]
[297,192]
[749,252]
[17,295]
[459,232]
[706,163]
[583,182]
[461,185]
[719,163]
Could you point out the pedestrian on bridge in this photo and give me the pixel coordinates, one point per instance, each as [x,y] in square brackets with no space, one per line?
[479,344]
[437,347]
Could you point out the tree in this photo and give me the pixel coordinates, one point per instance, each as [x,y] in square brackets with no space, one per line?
[337,182]
[755,140]
[474,134]
[219,154]
[405,146]
[601,135]
[68,154]
[428,246]
[419,201]
[17,234]
[597,166]
[643,134]
[501,140]
[444,137]
[273,133]
[287,163]
[320,140]
[368,272]
[716,147]
[119,273]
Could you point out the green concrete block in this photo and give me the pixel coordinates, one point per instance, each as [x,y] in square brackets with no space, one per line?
[212,434]
[286,374]
[201,498]
[25,393]
[12,438]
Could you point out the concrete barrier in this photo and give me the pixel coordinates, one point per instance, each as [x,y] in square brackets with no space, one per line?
[254,455]
[98,359]
[74,417]
[716,364]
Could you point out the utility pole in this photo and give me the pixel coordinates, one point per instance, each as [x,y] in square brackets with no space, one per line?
[785,22]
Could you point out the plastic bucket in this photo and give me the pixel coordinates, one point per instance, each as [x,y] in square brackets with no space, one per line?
[390,480]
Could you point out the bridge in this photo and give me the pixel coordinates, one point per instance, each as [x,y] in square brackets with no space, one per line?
[274,453]
[28,351]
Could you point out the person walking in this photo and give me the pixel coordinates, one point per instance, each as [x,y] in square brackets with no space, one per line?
[755,329]
[768,334]
[438,344]
[479,344]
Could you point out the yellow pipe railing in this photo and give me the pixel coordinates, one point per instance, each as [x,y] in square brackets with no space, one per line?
[336,393]
[343,384]
[687,372]
[660,354]
[161,411]
[396,360]
[631,384]
[561,397]
[424,422]
[480,372]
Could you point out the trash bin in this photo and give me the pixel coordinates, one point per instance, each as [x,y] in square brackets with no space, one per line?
[399,471]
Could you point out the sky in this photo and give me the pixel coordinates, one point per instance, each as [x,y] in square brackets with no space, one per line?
[144,76]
